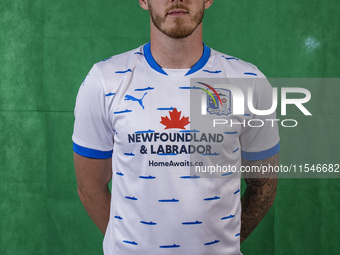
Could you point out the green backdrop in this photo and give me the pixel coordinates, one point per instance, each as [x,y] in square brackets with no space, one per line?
[46,49]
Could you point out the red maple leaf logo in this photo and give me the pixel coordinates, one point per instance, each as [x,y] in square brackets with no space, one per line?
[175,121]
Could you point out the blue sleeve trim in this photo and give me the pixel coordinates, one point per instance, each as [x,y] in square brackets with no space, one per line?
[261,154]
[90,153]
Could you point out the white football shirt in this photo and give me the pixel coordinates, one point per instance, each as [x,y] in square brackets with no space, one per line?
[131,109]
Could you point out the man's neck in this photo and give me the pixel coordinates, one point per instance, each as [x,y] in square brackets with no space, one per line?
[176,53]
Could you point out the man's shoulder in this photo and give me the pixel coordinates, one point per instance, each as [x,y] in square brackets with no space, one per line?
[122,62]
[235,64]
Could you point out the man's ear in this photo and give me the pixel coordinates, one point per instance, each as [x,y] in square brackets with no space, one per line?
[208,3]
[144,4]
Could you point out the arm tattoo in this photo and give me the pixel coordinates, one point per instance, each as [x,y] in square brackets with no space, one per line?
[258,196]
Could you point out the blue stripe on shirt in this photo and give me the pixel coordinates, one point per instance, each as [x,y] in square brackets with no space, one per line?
[91,153]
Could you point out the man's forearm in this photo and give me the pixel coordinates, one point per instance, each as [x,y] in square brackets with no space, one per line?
[256,202]
[97,206]
[93,177]
[258,197]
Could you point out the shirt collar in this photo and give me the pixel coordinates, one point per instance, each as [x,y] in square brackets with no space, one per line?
[198,66]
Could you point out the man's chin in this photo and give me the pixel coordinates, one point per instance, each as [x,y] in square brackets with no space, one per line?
[178,32]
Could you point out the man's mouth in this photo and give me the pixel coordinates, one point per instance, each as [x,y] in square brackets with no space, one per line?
[177,12]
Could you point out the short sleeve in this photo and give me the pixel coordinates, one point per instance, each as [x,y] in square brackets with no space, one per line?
[92,134]
[260,136]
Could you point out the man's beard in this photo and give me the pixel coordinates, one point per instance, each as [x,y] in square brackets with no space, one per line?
[179,30]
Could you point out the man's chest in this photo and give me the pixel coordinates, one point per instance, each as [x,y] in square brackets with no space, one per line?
[156,119]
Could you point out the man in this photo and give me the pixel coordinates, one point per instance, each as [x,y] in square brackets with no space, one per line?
[132,125]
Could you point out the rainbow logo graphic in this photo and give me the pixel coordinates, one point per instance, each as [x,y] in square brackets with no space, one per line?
[209,93]
[218,102]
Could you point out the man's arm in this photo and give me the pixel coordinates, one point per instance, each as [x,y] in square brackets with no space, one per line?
[259,195]
[93,176]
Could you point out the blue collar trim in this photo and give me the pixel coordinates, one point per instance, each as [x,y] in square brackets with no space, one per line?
[200,63]
[151,61]
[198,66]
